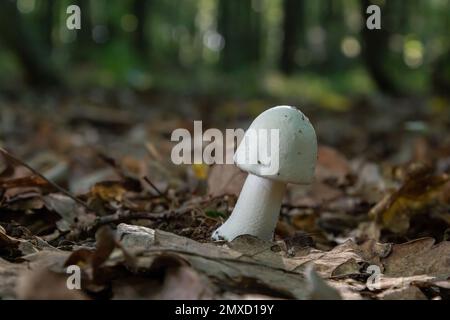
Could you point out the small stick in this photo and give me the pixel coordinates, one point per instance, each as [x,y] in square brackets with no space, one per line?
[146,179]
[127,216]
[12,158]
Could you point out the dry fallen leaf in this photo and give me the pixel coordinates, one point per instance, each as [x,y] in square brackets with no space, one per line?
[108,191]
[419,257]
[221,263]
[9,273]
[318,288]
[331,165]
[7,241]
[29,181]
[369,184]
[250,258]
[420,192]
[225,179]
[404,293]
[184,283]
[43,284]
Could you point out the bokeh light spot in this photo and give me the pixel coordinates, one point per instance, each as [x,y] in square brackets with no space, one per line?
[129,22]
[350,47]
[26,6]
[413,53]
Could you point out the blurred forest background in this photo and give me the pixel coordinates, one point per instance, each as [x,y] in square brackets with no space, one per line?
[318,50]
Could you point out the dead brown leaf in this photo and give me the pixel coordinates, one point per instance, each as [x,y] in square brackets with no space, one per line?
[9,273]
[331,165]
[419,257]
[108,191]
[419,192]
[225,179]
[404,293]
[184,283]
[29,181]
[43,284]
[7,241]
[275,268]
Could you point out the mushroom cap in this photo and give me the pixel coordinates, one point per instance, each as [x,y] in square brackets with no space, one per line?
[297,146]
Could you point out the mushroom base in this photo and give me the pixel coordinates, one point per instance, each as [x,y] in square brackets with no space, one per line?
[256,211]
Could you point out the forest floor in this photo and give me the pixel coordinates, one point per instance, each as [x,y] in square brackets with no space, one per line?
[87,180]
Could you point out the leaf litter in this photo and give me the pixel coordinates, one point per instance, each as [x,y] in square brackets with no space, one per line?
[95,189]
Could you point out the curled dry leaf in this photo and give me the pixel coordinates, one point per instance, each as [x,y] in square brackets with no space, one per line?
[11,247]
[419,194]
[7,241]
[93,260]
[342,260]
[24,182]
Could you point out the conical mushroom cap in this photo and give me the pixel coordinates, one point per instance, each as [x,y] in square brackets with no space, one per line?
[281,145]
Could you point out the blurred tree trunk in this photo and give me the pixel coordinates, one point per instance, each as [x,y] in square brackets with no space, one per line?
[375,49]
[332,20]
[84,36]
[140,8]
[293,11]
[86,23]
[440,76]
[239,24]
[46,19]
[33,56]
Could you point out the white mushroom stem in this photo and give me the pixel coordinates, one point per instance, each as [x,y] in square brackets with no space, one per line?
[256,211]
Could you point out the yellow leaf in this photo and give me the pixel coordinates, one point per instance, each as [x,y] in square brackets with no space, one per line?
[108,191]
[200,171]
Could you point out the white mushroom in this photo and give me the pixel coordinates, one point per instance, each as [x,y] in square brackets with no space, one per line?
[271,166]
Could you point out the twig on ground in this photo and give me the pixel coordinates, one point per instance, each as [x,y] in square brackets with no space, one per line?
[12,158]
[151,184]
[127,216]
[124,216]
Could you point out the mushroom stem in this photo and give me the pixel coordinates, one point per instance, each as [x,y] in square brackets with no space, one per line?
[256,211]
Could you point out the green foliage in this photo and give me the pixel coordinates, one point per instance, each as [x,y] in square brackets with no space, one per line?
[234,47]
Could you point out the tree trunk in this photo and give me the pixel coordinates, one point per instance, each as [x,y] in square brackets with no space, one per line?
[293,24]
[140,8]
[84,35]
[440,76]
[239,24]
[374,51]
[33,56]
[46,19]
